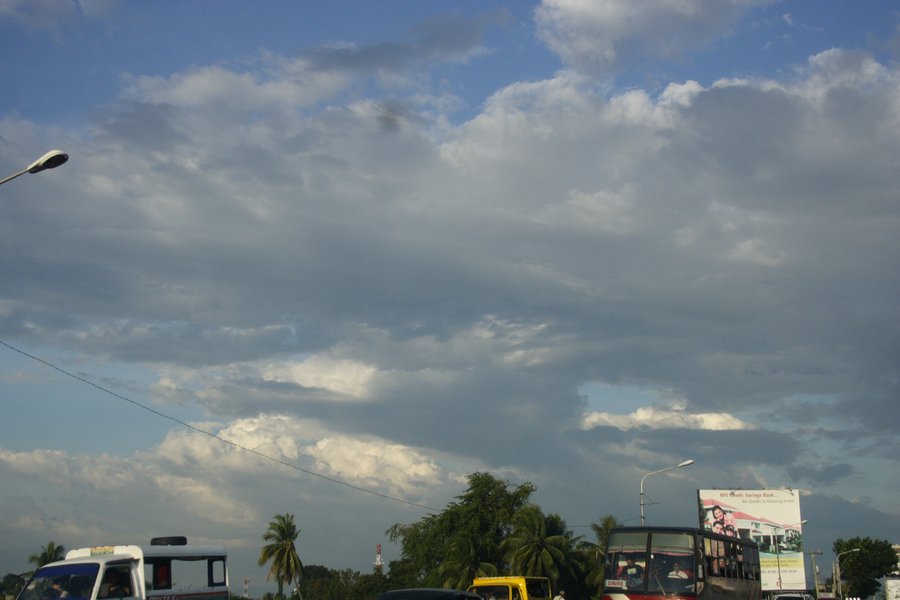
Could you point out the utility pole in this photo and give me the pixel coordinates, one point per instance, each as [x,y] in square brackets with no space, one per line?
[813,555]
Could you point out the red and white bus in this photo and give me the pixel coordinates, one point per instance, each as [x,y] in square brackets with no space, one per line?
[680,563]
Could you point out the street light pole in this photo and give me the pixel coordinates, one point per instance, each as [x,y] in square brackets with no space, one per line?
[683,463]
[50,160]
[837,579]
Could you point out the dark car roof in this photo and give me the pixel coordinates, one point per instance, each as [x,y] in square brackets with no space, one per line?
[428,594]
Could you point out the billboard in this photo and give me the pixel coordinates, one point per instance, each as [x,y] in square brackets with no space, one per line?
[771,518]
[892,588]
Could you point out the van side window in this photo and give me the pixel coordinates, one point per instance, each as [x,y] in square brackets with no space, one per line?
[116,582]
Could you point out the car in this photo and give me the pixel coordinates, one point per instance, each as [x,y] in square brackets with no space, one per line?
[428,594]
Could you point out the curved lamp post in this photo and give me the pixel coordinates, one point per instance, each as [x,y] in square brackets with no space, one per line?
[683,463]
[778,548]
[837,578]
[51,160]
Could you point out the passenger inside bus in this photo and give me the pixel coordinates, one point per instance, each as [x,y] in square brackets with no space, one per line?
[632,573]
[678,571]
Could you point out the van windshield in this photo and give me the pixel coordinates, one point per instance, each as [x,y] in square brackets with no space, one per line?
[71,581]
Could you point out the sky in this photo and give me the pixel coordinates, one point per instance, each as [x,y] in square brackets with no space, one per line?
[330,258]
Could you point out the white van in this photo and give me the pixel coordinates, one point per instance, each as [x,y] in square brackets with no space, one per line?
[167,569]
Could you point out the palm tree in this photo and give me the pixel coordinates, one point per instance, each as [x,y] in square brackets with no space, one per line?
[49,553]
[596,575]
[280,549]
[463,563]
[534,549]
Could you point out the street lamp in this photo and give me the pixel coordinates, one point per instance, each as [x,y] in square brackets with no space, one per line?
[778,548]
[837,578]
[51,160]
[683,463]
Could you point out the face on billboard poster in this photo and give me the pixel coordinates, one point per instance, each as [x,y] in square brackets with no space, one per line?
[771,518]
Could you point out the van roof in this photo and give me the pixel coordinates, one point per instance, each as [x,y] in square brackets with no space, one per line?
[109,553]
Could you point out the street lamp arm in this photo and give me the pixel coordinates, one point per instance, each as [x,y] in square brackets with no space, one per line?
[13,176]
[678,466]
[683,463]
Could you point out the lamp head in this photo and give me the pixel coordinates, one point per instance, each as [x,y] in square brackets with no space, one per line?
[51,160]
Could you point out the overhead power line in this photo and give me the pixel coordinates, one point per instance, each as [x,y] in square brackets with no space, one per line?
[216,436]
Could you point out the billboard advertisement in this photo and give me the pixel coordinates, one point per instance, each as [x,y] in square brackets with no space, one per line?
[892,588]
[771,518]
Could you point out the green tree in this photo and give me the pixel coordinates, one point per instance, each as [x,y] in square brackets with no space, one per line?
[863,569]
[48,554]
[541,546]
[322,583]
[597,552]
[11,585]
[483,515]
[281,550]
[463,563]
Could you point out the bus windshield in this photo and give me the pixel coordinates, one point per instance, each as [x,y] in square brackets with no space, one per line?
[671,562]
[658,562]
[71,581]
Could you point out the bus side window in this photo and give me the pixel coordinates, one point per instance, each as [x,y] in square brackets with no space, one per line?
[712,556]
[216,572]
[162,575]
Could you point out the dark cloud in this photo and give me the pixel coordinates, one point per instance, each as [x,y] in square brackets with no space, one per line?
[444,38]
[826,474]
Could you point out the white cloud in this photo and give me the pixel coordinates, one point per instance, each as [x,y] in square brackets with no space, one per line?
[277,87]
[665,418]
[755,251]
[347,377]
[371,461]
[599,36]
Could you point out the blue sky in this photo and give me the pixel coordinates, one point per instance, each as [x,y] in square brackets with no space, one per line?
[395,243]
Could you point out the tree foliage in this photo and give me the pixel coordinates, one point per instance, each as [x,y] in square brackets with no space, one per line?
[48,554]
[281,551]
[470,530]
[863,569]
[596,573]
[534,550]
[11,585]
[323,583]
[463,563]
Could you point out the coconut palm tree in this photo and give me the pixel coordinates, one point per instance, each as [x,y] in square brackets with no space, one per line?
[596,574]
[280,549]
[49,553]
[540,546]
[463,563]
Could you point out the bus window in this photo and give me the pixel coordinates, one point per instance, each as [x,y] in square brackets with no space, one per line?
[161,573]
[626,559]
[671,562]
